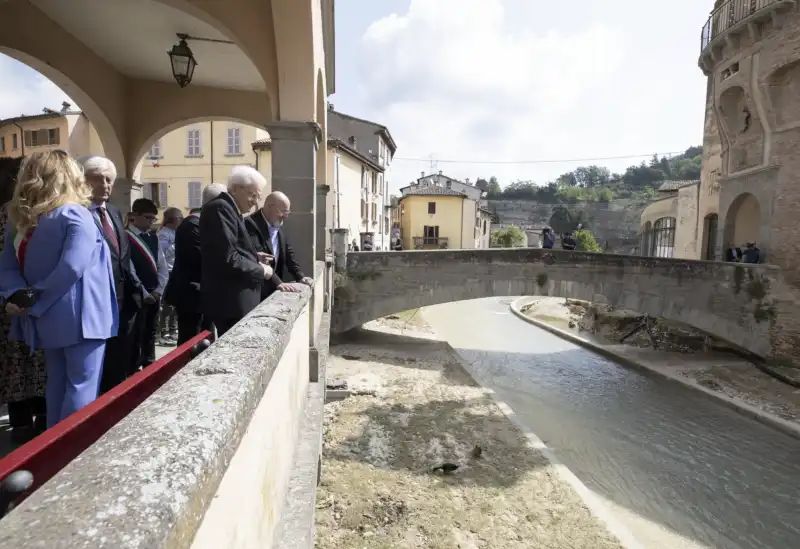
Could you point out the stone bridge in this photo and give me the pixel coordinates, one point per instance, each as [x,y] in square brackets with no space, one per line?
[737,303]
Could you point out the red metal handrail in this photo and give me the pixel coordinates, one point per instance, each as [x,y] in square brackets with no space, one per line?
[51,451]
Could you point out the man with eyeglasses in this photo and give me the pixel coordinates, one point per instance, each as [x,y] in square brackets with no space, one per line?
[151,269]
[233,271]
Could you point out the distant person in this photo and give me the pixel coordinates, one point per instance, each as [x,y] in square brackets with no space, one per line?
[58,281]
[183,288]
[167,321]
[548,238]
[751,253]
[233,270]
[398,245]
[733,255]
[265,229]
[367,245]
[150,266]
[568,242]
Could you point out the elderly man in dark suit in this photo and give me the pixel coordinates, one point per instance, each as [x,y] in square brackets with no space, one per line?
[232,271]
[183,289]
[100,174]
[265,231]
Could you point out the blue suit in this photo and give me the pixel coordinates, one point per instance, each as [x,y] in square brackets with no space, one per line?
[68,263]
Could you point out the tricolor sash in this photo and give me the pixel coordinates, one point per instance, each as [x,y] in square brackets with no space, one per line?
[144,248]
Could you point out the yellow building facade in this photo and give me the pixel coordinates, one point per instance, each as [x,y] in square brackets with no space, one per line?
[181,163]
[65,129]
[433,217]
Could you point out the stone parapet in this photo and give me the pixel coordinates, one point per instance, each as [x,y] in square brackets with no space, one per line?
[206,461]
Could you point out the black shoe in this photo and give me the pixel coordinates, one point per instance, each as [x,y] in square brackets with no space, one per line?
[22,435]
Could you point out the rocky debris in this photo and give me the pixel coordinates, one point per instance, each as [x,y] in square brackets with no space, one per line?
[614,324]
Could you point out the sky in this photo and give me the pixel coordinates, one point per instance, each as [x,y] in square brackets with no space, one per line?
[504,88]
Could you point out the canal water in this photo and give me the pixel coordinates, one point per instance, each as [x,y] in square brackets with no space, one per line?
[679,469]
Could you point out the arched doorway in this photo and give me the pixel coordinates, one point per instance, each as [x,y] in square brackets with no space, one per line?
[710,229]
[743,221]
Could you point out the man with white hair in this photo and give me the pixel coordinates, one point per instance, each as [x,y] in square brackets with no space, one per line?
[265,228]
[232,270]
[183,289]
[100,174]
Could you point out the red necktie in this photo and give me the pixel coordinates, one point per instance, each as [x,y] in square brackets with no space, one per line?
[108,230]
[23,248]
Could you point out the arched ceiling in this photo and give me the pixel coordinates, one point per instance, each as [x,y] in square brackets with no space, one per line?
[134,36]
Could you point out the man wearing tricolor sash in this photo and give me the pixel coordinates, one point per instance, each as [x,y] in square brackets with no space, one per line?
[151,269]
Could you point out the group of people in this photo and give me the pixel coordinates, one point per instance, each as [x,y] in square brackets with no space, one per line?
[568,241]
[750,254]
[84,291]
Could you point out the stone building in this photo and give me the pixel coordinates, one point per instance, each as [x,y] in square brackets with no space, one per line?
[749,188]
[669,225]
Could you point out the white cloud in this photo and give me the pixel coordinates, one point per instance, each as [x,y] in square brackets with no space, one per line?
[506,80]
[24,91]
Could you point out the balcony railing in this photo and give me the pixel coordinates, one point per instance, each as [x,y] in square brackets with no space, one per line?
[423,242]
[730,14]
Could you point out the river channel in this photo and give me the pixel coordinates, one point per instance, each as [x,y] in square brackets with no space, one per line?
[679,470]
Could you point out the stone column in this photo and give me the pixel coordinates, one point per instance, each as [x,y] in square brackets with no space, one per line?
[294,151]
[323,240]
[339,246]
[124,192]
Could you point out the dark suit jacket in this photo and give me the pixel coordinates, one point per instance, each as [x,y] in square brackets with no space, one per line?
[130,295]
[286,266]
[230,285]
[183,288]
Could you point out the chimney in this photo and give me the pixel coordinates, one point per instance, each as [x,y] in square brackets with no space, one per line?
[352,140]
[422,174]
[440,172]
[467,181]
[65,107]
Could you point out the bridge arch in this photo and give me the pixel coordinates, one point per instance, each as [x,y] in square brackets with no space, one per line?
[732,302]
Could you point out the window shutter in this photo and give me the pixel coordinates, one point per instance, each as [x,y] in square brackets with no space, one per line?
[44,137]
[147,191]
[28,138]
[162,195]
[194,194]
[238,141]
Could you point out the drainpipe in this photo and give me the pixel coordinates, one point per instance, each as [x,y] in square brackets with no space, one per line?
[21,137]
[461,238]
[338,196]
[212,149]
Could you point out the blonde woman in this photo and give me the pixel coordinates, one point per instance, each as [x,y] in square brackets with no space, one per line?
[55,273]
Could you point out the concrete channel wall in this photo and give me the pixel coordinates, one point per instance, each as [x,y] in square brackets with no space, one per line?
[223,455]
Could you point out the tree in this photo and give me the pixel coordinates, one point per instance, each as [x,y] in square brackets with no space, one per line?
[510,237]
[562,220]
[586,241]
